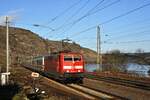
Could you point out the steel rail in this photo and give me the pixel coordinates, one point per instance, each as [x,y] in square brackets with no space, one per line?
[119,81]
[79,90]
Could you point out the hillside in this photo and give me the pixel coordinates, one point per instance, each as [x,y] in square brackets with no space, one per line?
[24,43]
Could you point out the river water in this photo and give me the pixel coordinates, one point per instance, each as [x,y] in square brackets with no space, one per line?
[141,70]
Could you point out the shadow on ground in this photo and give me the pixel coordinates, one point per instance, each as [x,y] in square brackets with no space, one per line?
[8,91]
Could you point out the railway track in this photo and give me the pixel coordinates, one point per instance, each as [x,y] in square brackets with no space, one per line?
[85,92]
[80,90]
[91,92]
[124,82]
[96,93]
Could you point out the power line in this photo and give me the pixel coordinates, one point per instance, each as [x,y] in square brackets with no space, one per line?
[86,15]
[121,35]
[132,24]
[126,42]
[129,30]
[114,18]
[129,34]
[127,13]
[110,4]
[63,12]
[89,11]
[78,10]
[121,42]
[83,15]
[88,39]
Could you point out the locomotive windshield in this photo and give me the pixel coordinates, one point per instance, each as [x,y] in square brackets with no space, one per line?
[68,58]
[72,58]
[77,58]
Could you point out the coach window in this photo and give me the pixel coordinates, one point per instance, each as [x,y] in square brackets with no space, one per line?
[39,62]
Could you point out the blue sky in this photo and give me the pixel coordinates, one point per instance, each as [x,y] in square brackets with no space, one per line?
[127,33]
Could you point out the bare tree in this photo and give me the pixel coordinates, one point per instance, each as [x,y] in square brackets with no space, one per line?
[139,50]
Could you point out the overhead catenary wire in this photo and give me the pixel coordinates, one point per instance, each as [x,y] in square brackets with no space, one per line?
[63,12]
[129,34]
[120,37]
[120,42]
[139,29]
[131,24]
[127,42]
[131,31]
[105,6]
[74,14]
[130,42]
[90,12]
[117,37]
[112,19]
[85,15]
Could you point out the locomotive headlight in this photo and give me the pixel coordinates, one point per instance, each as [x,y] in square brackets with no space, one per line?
[67,67]
[67,71]
[79,67]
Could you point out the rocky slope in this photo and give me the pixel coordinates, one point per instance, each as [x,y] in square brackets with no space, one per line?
[24,43]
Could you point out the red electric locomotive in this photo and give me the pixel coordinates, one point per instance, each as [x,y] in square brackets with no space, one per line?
[65,66]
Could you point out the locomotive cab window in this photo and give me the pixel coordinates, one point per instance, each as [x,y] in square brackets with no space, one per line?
[72,58]
[68,58]
[77,58]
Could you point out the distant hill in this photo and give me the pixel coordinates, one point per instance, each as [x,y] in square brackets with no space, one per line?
[24,43]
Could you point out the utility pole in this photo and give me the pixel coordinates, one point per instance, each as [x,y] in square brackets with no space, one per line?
[7,49]
[99,54]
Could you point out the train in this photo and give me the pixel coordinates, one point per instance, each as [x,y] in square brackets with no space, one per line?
[64,66]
